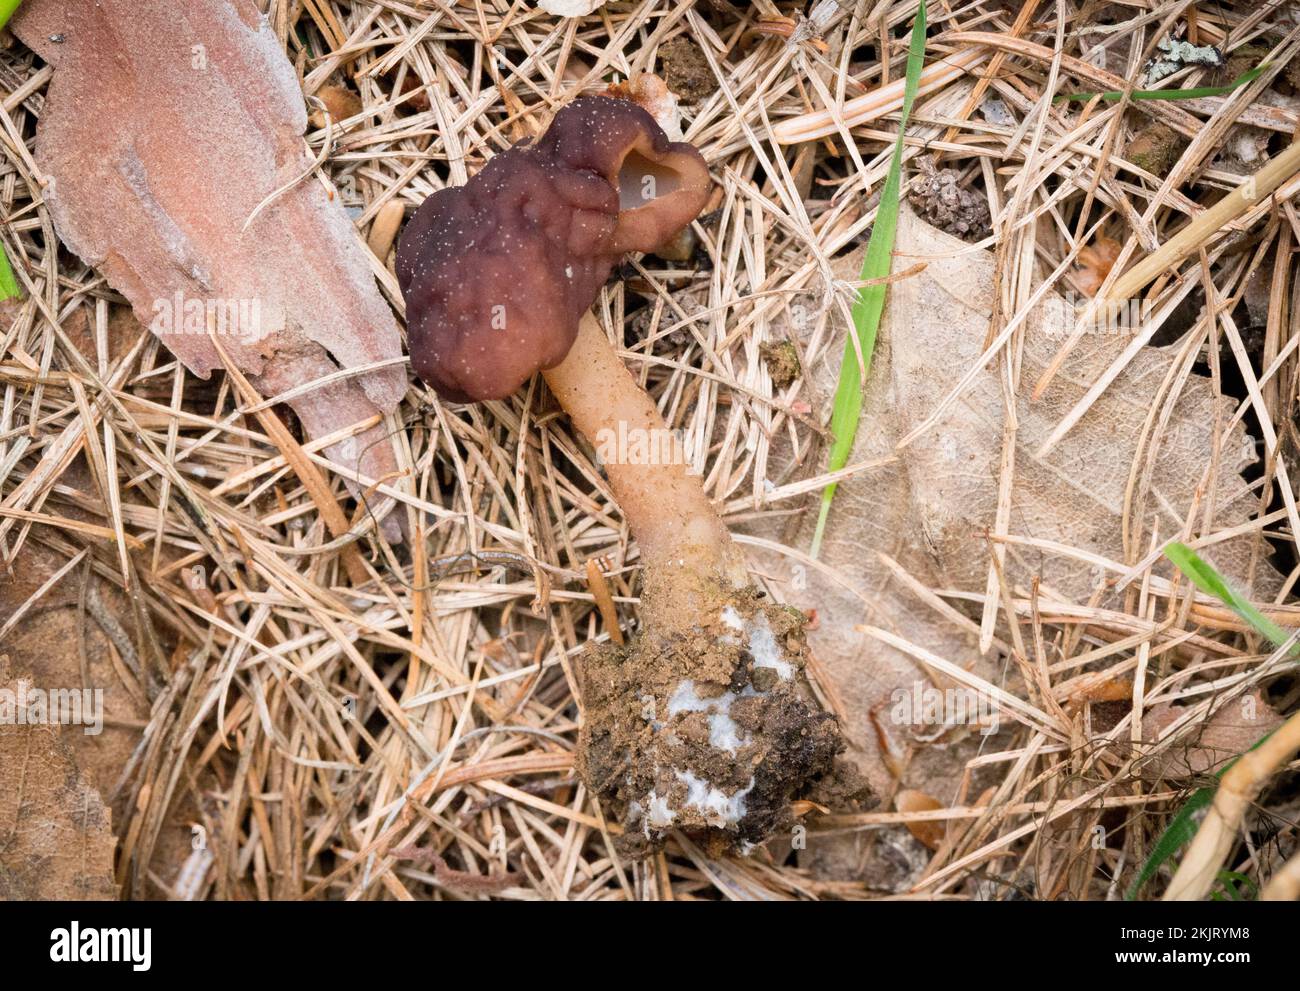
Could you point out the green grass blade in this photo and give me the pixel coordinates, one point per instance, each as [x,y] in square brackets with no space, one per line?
[1209,581]
[1170,94]
[1179,832]
[7,8]
[1182,827]
[8,284]
[871,299]
[1234,886]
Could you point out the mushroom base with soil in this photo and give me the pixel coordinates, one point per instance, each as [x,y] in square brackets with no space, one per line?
[705,721]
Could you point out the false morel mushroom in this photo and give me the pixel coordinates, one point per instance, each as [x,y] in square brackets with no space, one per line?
[704,722]
[498,272]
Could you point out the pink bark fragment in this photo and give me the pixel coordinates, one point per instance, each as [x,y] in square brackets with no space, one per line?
[165,126]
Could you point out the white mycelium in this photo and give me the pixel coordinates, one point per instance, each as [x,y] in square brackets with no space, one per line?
[723,731]
[704,798]
[762,644]
[719,808]
[660,815]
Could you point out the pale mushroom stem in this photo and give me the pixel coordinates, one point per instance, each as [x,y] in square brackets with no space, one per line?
[682,539]
[702,722]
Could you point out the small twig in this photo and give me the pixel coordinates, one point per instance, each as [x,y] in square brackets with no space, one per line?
[1240,785]
[604,601]
[1204,227]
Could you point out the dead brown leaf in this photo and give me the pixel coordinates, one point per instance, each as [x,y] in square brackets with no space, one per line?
[1206,745]
[55,836]
[929,832]
[1095,262]
[921,524]
[340,103]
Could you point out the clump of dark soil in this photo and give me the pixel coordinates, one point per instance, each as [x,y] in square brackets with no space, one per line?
[782,360]
[686,70]
[936,194]
[711,730]
[1156,148]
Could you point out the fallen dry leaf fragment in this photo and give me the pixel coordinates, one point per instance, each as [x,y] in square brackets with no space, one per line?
[165,128]
[920,523]
[55,840]
[651,93]
[339,102]
[929,831]
[1095,262]
[1208,744]
[383,232]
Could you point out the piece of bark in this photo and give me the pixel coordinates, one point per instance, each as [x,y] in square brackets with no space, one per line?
[165,128]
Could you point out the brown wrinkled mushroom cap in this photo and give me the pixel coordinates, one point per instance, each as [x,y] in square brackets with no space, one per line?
[497,273]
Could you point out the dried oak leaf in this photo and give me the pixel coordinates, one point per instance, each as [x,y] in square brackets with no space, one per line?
[930,511]
[1205,746]
[55,840]
[165,127]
